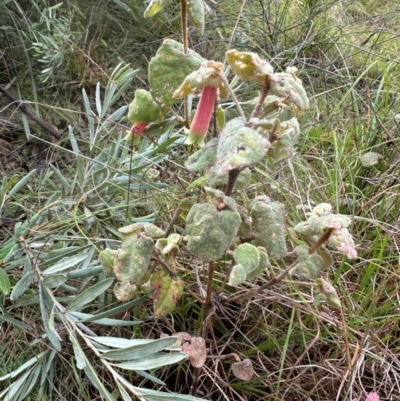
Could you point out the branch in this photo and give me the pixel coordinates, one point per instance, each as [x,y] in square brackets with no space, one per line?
[30,114]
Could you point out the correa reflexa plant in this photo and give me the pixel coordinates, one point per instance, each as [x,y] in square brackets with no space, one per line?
[246,239]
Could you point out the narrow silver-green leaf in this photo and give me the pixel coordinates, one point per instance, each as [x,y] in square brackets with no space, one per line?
[22,285]
[21,184]
[5,284]
[15,322]
[90,371]
[79,354]
[24,366]
[98,99]
[55,280]
[64,182]
[123,393]
[89,295]
[139,351]
[89,113]
[105,321]
[11,253]
[117,342]
[68,288]
[92,375]
[30,383]
[86,272]
[150,377]
[152,362]
[117,310]
[51,335]
[66,263]
[117,114]
[10,392]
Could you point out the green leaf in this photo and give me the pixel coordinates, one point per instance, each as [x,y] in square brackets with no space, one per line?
[52,336]
[140,350]
[7,248]
[238,275]
[123,393]
[15,322]
[25,366]
[79,354]
[30,383]
[150,377]
[269,226]
[22,285]
[153,361]
[117,342]
[89,114]
[89,370]
[196,12]
[143,109]
[117,310]
[94,378]
[239,147]
[168,69]
[5,284]
[66,263]
[21,184]
[114,117]
[12,390]
[248,66]
[211,231]
[204,157]
[247,255]
[105,321]
[98,99]
[166,292]
[54,280]
[86,272]
[155,6]
[89,295]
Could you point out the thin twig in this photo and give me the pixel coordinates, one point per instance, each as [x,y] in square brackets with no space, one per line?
[280,277]
[254,291]
[233,175]
[325,236]
[30,114]
[274,106]
[207,305]
[232,95]
[173,221]
[185,51]
[236,25]
[263,95]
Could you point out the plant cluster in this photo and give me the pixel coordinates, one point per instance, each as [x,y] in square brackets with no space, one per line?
[218,226]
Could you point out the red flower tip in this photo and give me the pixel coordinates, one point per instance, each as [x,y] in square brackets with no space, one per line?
[137,129]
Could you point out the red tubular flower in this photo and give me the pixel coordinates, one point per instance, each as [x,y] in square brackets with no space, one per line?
[202,117]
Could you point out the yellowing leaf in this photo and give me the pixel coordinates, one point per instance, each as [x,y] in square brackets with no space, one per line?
[165,292]
[155,6]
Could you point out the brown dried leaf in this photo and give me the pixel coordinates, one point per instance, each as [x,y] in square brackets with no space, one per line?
[196,351]
[243,370]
